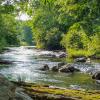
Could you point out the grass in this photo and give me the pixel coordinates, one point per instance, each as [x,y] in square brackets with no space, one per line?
[79,53]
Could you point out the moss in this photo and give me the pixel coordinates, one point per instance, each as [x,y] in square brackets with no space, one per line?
[53,93]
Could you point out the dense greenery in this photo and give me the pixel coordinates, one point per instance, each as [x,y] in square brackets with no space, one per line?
[25,36]
[8,25]
[12,31]
[74,24]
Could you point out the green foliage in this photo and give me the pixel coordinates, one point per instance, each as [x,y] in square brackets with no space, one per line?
[56,24]
[47,30]
[2,43]
[77,42]
[6,9]
[10,31]
[76,38]
[95,43]
[82,38]
[25,33]
[53,38]
[77,21]
[8,25]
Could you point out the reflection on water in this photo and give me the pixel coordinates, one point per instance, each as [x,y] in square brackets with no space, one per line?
[26,62]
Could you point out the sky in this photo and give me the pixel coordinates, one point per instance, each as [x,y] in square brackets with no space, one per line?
[23,17]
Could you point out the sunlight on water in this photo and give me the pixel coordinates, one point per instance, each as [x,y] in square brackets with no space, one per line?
[26,63]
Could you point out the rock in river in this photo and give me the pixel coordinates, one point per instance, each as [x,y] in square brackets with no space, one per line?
[7,89]
[45,67]
[55,69]
[96,75]
[68,69]
[20,95]
[82,59]
[63,55]
[5,62]
[61,64]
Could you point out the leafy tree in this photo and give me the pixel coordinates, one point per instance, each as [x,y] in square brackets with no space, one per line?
[76,20]
[8,31]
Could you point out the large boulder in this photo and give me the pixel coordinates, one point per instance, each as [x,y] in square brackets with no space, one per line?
[7,89]
[96,76]
[68,69]
[45,67]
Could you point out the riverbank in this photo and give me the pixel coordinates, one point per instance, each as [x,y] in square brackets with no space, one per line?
[45,92]
[11,90]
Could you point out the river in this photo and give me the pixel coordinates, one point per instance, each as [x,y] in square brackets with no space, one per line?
[26,63]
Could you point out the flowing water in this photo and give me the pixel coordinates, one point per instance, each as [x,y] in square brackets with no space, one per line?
[26,63]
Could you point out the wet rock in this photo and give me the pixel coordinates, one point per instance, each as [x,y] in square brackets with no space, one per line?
[82,59]
[47,96]
[20,95]
[68,69]
[91,71]
[37,92]
[88,60]
[49,55]
[7,89]
[65,70]
[63,55]
[55,69]
[76,87]
[61,64]
[96,75]
[95,56]
[45,67]
[52,54]
[5,62]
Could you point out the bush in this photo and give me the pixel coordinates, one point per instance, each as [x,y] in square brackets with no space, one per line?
[76,42]
[79,53]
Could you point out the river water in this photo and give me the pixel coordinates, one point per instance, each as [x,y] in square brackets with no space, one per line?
[26,63]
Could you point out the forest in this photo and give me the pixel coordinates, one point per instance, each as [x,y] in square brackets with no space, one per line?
[49,49]
[73,25]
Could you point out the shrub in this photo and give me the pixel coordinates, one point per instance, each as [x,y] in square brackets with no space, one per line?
[76,42]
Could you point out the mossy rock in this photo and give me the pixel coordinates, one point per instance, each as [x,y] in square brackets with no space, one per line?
[45,92]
